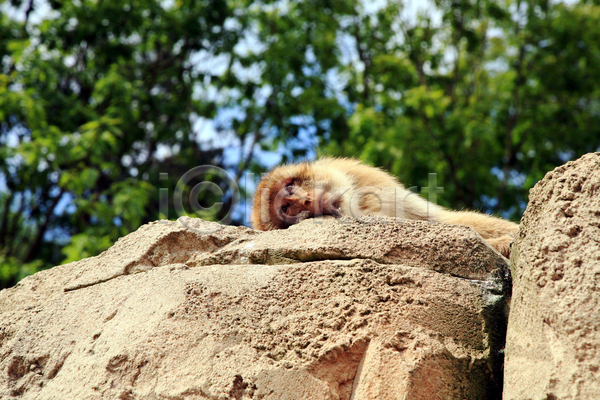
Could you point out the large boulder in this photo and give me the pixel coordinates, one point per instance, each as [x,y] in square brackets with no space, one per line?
[553,341]
[327,309]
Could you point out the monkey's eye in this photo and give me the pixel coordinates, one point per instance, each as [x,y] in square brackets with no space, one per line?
[284,208]
[290,188]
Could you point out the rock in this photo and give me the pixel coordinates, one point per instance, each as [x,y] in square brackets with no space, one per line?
[328,309]
[553,341]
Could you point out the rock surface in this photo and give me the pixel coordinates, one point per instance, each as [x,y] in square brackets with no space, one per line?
[553,341]
[327,309]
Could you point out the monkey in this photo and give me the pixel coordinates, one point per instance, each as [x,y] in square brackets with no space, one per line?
[337,187]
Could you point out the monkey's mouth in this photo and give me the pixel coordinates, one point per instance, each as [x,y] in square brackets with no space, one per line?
[325,205]
[326,209]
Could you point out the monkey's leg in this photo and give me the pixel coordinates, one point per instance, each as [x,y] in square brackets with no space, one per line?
[496,231]
[502,244]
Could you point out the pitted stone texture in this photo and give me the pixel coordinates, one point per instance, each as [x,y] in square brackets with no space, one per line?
[182,310]
[452,249]
[553,342]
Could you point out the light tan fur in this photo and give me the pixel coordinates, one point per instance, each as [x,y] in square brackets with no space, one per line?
[343,186]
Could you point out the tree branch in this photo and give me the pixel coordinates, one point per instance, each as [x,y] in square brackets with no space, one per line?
[513,118]
[42,229]
[365,58]
[28,11]
[5,216]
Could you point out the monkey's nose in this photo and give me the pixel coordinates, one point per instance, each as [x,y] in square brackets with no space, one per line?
[301,196]
[301,200]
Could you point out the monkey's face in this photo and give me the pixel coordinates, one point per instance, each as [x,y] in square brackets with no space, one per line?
[291,194]
[296,200]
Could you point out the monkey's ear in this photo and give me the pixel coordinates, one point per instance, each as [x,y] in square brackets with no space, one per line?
[261,213]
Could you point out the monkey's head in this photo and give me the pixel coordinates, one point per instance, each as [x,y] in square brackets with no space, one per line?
[292,193]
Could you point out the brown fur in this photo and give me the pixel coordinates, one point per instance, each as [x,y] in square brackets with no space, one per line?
[342,186]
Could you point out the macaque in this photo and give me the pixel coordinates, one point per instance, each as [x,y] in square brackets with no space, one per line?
[345,187]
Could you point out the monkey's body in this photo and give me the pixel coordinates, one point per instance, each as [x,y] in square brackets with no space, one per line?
[341,186]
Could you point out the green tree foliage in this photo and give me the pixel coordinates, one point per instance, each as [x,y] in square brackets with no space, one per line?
[89,98]
[488,95]
[100,103]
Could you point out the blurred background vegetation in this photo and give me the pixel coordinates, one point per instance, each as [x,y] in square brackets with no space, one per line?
[102,103]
